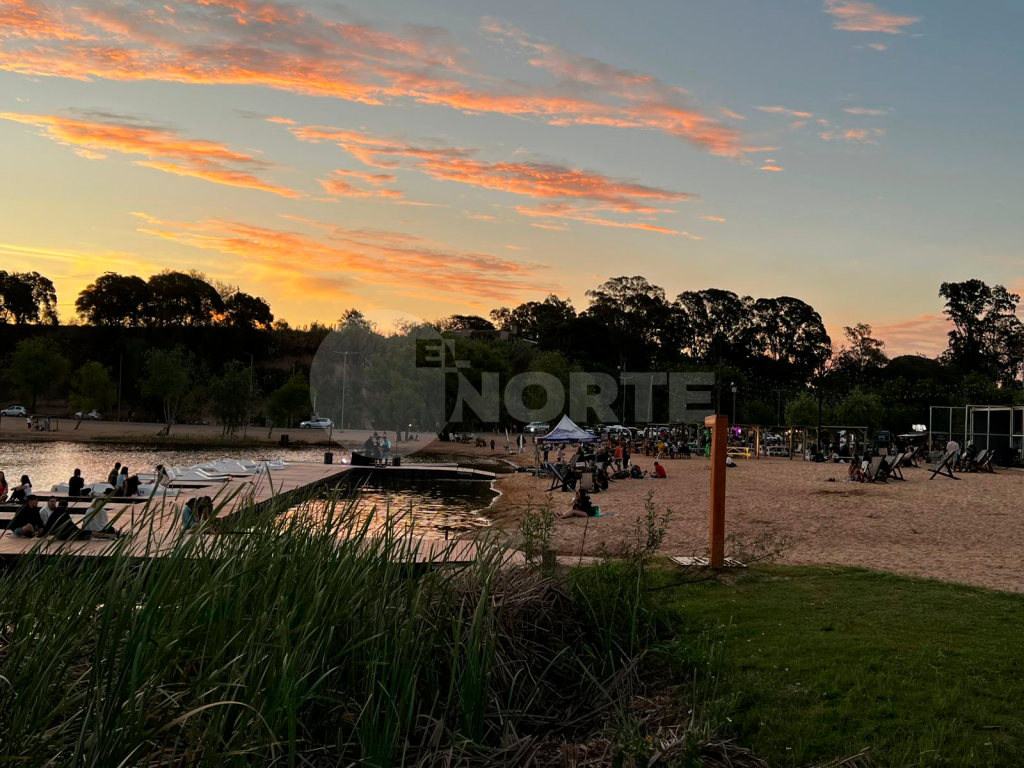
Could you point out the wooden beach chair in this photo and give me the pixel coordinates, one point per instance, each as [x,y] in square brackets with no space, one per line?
[874,472]
[944,467]
[559,479]
[892,466]
[984,464]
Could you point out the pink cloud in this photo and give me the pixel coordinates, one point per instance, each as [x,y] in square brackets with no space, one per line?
[284,47]
[785,111]
[857,16]
[773,168]
[92,135]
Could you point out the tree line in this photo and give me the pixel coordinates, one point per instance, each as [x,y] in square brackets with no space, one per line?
[775,351]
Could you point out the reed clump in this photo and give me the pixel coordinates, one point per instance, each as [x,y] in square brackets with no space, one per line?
[304,640]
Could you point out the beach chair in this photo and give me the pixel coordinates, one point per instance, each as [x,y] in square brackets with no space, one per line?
[984,463]
[874,473]
[944,467]
[559,479]
[893,465]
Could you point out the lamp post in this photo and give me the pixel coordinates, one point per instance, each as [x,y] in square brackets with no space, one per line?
[733,414]
[344,384]
[248,403]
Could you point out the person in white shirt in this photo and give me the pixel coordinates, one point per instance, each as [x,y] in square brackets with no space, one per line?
[97,521]
[49,509]
[953,447]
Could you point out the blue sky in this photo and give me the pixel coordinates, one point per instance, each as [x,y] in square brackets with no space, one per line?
[455,156]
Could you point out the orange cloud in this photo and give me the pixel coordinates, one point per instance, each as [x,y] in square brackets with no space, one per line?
[877,46]
[864,135]
[774,168]
[337,185]
[458,164]
[865,111]
[589,216]
[857,16]
[717,219]
[275,45]
[924,334]
[785,111]
[411,264]
[166,151]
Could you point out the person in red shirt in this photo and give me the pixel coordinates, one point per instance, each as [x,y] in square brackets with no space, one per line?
[659,471]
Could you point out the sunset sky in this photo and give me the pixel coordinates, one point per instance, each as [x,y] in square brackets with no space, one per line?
[454,156]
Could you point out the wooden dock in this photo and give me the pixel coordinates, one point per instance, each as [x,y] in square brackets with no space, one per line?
[154,528]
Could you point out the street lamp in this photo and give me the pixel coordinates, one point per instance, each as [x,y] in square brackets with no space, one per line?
[344,384]
[733,385]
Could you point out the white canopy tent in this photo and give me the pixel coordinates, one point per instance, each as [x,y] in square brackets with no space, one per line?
[568,431]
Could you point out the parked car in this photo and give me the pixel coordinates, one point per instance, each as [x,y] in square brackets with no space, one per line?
[15,410]
[537,428]
[92,415]
[318,422]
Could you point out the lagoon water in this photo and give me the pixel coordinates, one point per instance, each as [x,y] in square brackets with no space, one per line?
[438,508]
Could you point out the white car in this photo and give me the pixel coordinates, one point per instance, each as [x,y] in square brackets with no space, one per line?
[90,416]
[537,428]
[15,410]
[317,423]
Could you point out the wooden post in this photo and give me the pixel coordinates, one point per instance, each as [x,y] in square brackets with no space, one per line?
[719,444]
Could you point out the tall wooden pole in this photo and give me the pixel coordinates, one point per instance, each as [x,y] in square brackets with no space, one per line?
[719,445]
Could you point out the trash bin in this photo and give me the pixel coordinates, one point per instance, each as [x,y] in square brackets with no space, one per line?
[396,461]
[284,439]
[328,458]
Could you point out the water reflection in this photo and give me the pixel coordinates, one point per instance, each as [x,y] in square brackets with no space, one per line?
[437,508]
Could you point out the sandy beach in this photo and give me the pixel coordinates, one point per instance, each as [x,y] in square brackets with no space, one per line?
[969,530]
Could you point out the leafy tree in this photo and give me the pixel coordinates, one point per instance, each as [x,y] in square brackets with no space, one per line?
[180,298]
[92,388]
[115,300]
[169,380]
[713,325]
[27,297]
[289,402]
[860,409]
[242,310]
[537,320]
[230,394]
[634,310]
[464,323]
[789,329]
[802,411]
[987,335]
[862,351]
[37,367]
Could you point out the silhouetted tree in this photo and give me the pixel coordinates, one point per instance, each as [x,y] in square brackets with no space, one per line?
[242,310]
[37,367]
[27,297]
[169,380]
[987,335]
[115,300]
[92,388]
[180,298]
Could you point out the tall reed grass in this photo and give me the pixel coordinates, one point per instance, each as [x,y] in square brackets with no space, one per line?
[301,640]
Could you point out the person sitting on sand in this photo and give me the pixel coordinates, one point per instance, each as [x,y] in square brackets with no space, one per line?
[659,472]
[582,506]
[636,473]
[27,522]
[858,470]
[76,483]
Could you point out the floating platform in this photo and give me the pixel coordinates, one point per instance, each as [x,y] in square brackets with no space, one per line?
[156,527]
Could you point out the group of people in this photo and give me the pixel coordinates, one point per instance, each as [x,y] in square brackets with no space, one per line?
[378,447]
[54,519]
[196,511]
[18,494]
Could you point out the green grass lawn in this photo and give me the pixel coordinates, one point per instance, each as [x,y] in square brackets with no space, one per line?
[818,664]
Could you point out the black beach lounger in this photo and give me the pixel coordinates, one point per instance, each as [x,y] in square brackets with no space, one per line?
[875,473]
[985,463]
[892,466]
[944,467]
